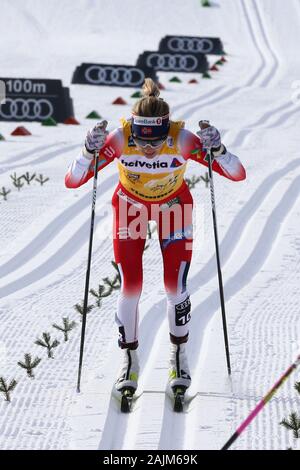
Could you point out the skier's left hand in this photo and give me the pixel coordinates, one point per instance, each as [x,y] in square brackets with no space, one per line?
[209,136]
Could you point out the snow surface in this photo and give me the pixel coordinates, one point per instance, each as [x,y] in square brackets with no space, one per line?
[44,232]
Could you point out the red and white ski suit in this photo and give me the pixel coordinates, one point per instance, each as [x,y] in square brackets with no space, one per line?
[152,189]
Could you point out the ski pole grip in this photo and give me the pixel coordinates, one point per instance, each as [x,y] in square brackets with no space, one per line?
[103,124]
[204,124]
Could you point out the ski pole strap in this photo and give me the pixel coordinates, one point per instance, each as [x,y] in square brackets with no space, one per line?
[261,404]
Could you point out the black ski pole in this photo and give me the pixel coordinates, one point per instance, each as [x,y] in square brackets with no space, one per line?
[88,270]
[203,125]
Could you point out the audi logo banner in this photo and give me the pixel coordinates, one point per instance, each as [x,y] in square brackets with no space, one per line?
[35,100]
[191,44]
[173,62]
[112,75]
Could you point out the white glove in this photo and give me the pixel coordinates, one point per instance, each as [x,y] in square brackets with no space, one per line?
[209,136]
[95,139]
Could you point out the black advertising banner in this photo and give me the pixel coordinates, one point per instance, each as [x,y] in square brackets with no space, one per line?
[193,44]
[173,62]
[112,75]
[29,99]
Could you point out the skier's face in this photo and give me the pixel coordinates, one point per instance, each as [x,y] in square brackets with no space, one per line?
[150,151]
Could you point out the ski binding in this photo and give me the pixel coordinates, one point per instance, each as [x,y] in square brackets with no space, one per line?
[126,399]
[178,393]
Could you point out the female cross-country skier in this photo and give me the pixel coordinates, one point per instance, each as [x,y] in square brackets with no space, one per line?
[152,152]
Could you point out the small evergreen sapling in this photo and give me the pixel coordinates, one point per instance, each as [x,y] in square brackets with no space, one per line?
[79,308]
[46,342]
[100,294]
[191,182]
[118,272]
[293,421]
[17,181]
[292,424]
[28,178]
[29,364]
[4,193]
[113,284]
[7,389]
[41,180]
[66,327]
[205,179]
[14,177]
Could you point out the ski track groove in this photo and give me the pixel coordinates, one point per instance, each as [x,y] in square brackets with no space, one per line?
[241,136]
[28,153]
[253,33]
[275,66]
[259,71]
[42,159]
[199,100]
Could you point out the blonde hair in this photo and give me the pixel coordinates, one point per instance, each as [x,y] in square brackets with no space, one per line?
[150,104]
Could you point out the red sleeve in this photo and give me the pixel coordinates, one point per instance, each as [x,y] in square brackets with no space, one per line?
[227,165]
[82,169]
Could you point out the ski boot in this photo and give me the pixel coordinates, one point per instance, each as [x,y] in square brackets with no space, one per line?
[126,383]
[179,375]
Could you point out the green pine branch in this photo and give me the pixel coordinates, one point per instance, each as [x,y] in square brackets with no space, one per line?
[100,294]
[66,327]
[191,182]
[17,181]
[79,308]
[15,178]
[7,389]
[47,343]
[292,424]
[28,178]
[41,179]
[29,364]
[297,387]
[4,193]
[205,179]
[113,284]
[117,269]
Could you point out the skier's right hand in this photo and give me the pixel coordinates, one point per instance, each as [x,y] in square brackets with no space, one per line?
[95,138]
